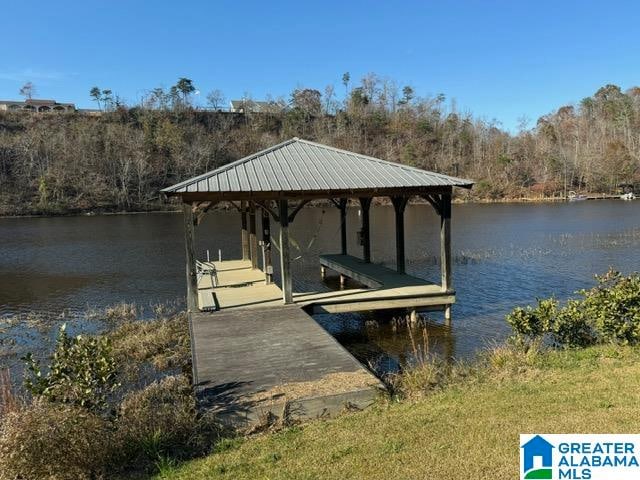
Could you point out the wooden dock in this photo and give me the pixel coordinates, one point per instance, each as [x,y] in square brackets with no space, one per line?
[255,357]
[250,365]
[240,286]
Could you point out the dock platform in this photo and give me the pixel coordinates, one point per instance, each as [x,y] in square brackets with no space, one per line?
[255,357]
[383,288]
[254,364]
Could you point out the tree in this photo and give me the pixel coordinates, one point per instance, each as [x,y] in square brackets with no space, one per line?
[96,94]
[215,99]
[107,99]
[345,81]
[28,90]
[185,87]
[307,100]
[407,95]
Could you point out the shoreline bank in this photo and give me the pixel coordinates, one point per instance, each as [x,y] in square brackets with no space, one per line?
[508,200]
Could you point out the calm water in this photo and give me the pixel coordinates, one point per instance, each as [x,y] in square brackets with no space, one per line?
[503,255]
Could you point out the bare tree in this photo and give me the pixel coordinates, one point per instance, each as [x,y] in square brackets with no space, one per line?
[28,90]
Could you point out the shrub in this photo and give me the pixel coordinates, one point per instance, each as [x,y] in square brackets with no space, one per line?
[614,308]
[161,422]
[82,372]
[47,440]
[607,313]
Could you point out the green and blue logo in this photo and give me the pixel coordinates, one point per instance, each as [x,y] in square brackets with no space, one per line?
[536,459]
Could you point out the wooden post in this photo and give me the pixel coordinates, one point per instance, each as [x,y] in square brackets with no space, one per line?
[266,240]
[343,226]
[399,204]
[192,274]
[365,204]
[253,240]
[445,247]
[285,261]
[245,233]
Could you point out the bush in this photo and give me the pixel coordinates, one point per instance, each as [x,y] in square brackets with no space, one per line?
[48,440]
[161,422]
[82,372]
[607,313]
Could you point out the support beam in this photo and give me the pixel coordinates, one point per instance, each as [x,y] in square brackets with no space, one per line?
[191,272]
[285,260]
[399,204]
[445,242]
[365,205]
[343,226]
[266,242]
[245,233]
[445,249]
[253,240]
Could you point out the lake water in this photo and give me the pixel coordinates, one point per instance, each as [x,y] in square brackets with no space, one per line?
[504,255]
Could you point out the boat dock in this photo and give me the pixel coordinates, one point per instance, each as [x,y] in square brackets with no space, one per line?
[257,352]
[243,348]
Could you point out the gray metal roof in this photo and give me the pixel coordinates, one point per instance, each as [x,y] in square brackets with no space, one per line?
[303,166]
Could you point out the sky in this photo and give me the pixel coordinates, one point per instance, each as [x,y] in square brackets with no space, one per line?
[502,60]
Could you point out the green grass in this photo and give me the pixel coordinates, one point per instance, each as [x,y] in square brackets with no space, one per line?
[466,430]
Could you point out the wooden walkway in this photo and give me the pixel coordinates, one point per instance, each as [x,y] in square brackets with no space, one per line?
[251,364]
[255,357]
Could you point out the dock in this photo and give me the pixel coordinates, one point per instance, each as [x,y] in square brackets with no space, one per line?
[257,352]
[243,350]
[240,286]
[257,365]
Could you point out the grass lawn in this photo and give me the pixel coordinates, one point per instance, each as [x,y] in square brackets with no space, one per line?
[466,430]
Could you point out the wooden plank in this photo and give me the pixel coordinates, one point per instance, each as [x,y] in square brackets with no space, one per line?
[365,204]
[285,259]
[192,276]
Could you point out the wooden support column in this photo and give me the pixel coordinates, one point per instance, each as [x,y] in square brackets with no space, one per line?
[266,241]
[365,204]
[399,204]
[285,260]
[189,243]
[445,247]
[343,226]
[253,240]
[246,254]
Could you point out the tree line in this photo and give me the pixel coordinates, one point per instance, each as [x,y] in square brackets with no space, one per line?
[119,160]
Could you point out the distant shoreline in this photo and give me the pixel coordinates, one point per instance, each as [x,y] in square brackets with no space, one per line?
[94,213]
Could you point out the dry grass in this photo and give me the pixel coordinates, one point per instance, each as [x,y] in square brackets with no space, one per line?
[44,440]
[163,342]
[9,401]
[465,430]
[332,383]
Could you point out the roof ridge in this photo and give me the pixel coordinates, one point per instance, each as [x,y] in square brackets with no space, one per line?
[379,160]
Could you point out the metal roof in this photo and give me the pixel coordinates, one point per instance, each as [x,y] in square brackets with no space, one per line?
[303,166]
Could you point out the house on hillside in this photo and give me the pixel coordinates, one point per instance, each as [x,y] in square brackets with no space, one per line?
[33,105]
[254,106]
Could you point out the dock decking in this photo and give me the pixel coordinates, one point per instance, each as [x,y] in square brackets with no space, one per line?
[240,286]
[256,357]
[252,363]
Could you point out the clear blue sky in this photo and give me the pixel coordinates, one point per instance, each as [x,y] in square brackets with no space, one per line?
[498,59]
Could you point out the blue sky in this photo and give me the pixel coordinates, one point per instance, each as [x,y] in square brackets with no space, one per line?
[498,59]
